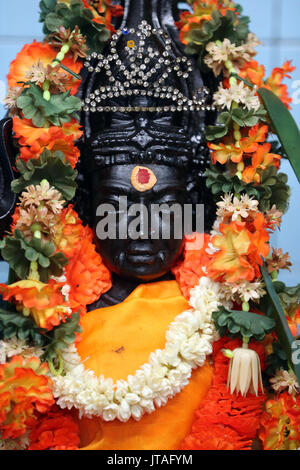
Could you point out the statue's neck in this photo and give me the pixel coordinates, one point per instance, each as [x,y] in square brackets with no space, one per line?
[120,290]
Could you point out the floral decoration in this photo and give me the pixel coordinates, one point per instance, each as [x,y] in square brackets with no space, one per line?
[56,271]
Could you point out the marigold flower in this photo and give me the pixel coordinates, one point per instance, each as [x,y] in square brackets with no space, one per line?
[33,52]
[192,267]
[86,274]
[34,140]
[55,431]
[25,389]
[69,232]
[280,428]
[226,421]
[45,302]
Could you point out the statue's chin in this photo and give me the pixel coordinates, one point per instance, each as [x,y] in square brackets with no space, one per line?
[142,267]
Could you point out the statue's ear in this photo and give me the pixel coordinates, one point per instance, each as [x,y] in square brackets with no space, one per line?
[7,161]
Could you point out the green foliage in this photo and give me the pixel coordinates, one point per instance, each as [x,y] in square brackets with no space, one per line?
[19,253]
[283,331]
[218,28]
[58,110]
[51,166]
[24,328]
[15,324]
[46,7]
[62,336]
[289,296]
[273,188]
[242,116]
[284,126]
[219,182]
[246,324]
[54,14]
[276,361]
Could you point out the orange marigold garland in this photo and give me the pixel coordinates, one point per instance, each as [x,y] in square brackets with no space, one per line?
[225,421]
[55,431]
[25,388]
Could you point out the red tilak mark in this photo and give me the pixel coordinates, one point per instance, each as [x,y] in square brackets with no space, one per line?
[143,176]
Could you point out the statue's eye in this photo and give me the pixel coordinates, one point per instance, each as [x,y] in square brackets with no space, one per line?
[119,119]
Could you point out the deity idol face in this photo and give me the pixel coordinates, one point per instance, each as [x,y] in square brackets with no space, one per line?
[141,254]
[144,105]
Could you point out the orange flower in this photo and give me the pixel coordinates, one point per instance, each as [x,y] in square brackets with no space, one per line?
[241,246]
[225,421]
[86,274]
[294,323]
[223,153]
[256,134]
[106,11]
[253,72]
[24,389]
[188,271]
[202,11]
[229,150]
[69,232]
[274,82]
[52,138]
[55,431]
[280,424]
[30,54]
[44,302]
[261,160]
[28,134]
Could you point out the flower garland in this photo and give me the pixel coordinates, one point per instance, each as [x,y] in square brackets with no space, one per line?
[189,338]
[56,271]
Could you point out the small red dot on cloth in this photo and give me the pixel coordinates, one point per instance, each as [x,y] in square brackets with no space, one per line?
[143,176]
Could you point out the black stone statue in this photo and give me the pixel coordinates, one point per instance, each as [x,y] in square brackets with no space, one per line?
[143,109]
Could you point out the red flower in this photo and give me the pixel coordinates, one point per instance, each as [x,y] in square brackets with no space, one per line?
[55,431]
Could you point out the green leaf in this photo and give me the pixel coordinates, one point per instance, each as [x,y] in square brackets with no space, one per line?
[51,166]
[285,127]
[242,116]
[19,253]
[243,323]
[69,16]
[15,324]
[282,328]
[58,110]
[62,336]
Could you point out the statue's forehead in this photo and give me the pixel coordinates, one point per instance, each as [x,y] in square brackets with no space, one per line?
[142,177]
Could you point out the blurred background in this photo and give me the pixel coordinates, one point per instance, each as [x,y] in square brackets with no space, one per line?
[275,22]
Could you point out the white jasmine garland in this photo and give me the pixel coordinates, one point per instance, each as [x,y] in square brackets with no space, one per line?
[240,94]
[188,343]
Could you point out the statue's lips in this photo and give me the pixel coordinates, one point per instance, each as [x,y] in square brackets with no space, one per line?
[142,257]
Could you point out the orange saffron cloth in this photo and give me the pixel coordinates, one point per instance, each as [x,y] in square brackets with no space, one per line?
[118,340]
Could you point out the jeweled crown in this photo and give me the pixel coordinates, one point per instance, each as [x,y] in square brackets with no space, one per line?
[140,68]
